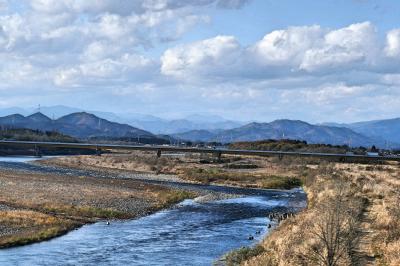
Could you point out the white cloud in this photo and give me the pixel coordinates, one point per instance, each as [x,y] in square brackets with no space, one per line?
[286,47]
[84,42]
[392,48]
[308,50]
[106,47]
[129,68]
[312,67]
[201,58]
[355,46]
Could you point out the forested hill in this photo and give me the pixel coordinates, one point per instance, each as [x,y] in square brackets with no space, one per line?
[33,135]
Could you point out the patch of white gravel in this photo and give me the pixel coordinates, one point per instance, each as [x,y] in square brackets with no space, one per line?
[215,196]
[154,177]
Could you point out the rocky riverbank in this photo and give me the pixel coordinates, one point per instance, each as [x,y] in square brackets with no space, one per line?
[35,206]
[52,200]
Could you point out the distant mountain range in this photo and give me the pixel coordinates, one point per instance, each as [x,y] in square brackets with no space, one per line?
[201,127]
[388,129]
[288,129]
[150,123]
[79,125]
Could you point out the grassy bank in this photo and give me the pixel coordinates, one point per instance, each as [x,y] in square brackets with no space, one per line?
[231,170]
[354,205]
[25,227]
[353,218]
[41,206]
[254,180]
[236,257]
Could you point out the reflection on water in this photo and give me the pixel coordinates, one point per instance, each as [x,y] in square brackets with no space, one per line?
[22,159]
[17,159]
[189,234]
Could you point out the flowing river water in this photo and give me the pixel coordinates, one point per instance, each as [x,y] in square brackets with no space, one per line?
[191,233]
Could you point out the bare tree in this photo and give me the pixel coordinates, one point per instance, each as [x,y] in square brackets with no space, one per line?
[335,231]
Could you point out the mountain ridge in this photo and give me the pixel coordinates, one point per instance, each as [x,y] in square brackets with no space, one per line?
[289,129]
[386,129]
[81,125]
[84,125]
[146,122]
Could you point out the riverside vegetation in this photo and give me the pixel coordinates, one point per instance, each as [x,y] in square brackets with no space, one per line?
[352,217]
[36,207]
[19,134]
[203,169]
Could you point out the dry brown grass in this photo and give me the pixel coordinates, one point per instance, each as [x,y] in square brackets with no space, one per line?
[135,161]
[49,205]
[29,226]
[232,170]
[244,179]
[372,195]
[369,204]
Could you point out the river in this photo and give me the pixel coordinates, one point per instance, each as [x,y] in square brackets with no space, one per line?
[191,233]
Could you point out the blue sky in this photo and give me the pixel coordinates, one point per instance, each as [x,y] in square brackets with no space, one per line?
[259,17]
[242,59]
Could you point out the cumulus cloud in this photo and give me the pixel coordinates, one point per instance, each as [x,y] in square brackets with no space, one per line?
[53,25]
[286,47]
[308,50]
[346,48]
[392,48]
[314,67]
[82,42]
[218,54]
[106,47]
[129,68]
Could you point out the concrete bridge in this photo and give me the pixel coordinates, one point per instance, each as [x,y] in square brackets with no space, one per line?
[37,146]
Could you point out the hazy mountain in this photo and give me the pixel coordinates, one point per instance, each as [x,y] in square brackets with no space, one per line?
[84,125]
[14,120]
[387,129]
[196,135]
[150,123]
[39,118]
[80,125]
[182,125]
[287,129]
[202,118]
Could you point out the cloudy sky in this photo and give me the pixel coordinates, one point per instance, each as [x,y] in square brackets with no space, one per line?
[331,60]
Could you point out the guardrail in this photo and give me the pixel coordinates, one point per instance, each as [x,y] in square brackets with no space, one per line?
[218,152]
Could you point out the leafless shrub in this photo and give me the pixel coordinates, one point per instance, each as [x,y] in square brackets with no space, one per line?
[335,231]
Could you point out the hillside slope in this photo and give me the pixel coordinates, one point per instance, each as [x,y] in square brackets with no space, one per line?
[388,129]
[79,125]
[288,129]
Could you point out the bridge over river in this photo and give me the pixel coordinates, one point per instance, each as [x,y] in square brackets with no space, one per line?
[37,146]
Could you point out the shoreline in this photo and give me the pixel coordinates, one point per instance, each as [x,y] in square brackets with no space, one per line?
[359,200]
[25,220]
[77,214]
